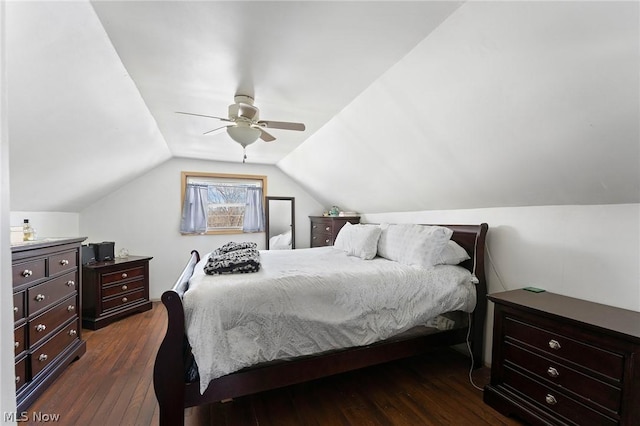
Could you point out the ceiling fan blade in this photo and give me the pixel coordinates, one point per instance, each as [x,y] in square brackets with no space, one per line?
[266,136]
[202,115]
[281,125]
[217,128]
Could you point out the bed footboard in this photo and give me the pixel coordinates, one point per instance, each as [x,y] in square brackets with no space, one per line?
[168,370]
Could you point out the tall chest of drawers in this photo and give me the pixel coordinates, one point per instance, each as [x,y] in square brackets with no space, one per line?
[324,229]
[47,313]
[564,361]
[114,289]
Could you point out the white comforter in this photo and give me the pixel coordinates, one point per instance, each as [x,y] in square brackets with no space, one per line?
[309,301]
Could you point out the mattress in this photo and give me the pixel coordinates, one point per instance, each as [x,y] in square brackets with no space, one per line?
[309,301]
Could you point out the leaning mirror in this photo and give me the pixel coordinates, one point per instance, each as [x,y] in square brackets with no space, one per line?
[280,223]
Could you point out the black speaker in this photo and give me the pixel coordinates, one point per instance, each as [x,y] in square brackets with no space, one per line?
[88,254]
[103,250]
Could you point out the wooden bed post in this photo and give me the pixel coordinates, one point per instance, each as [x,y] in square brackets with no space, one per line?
[169,383]
[480,313]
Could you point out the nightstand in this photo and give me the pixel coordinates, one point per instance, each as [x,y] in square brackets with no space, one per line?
[114,289]
[324,229]
[559,360]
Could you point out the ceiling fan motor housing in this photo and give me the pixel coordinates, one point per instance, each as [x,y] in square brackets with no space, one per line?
[242,110]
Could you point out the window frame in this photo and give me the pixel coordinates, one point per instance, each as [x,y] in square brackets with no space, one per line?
[184,176]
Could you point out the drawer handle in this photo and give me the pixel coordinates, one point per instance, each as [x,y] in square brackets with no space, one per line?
[326,241]
[15,309]
[17,379]
[64,262]
[41,327]
[124,275]
[71,283]
[124,299]
[27,273]
[552,372]
[16,345]
[553,344]
[327,228]
[72,332]
[315,226]
[550,399]
[70,308]
[124,287]
[40,297]
[43,357]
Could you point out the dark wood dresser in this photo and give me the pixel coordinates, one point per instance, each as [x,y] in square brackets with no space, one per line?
[46,312]
[324,229]
[114,289]
[564,361]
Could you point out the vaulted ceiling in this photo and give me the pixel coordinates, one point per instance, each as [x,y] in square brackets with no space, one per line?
[474,104]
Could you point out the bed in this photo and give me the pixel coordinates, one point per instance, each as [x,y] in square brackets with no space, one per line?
[174,360]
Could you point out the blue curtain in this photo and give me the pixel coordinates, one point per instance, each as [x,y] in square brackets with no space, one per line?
[194,210]
[253,212]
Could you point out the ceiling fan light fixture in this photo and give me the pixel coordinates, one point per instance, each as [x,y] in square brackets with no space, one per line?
[244,135]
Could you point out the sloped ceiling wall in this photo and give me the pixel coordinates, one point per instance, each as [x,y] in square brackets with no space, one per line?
[78,127]
[504,104]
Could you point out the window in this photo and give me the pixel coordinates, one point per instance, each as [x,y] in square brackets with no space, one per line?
[214,203]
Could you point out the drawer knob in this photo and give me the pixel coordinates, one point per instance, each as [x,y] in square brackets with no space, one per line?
[124,287]
[71,283]
[552,372]
[124,275]
[327,228]
[553,344]
[15,309]
[16,345]
[550,399]
[70,308]
[64,262]
[40,297]
[27,273]
[41,327]
[326,241]
[124,299]
[315,226]
[43,357]
[72,332]
[17,379]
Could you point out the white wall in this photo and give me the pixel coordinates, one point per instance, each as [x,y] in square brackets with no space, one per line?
[49,224]
[7,370]
[588,252]
[144,217]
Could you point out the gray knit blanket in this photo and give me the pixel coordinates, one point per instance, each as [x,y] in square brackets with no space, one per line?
[233,258]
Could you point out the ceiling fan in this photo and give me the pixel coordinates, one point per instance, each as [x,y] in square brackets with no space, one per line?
[246,126]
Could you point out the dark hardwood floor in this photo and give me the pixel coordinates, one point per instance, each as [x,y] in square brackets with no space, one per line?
[112,385]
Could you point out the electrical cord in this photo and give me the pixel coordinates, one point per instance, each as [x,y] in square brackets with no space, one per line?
[471,356]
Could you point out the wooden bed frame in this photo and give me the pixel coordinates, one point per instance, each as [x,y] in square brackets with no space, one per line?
[174,395]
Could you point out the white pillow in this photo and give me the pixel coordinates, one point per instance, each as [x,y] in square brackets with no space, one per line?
[452,254]
[358,240]
[280,241]
[412,244]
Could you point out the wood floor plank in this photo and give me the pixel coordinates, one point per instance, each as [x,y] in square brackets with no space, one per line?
[112,384]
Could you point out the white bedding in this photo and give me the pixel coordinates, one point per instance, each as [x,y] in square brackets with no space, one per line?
[308,301]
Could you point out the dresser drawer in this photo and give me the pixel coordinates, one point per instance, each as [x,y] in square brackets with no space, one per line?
[123,299]
[19,339]
[604,362]
[553,401]
[114,290]
[562,377]
[48,352]
[26,272]
[122,275]
[18,306]
[320,239]
[21,373]
[67,261]
[43,295]
[43,325]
